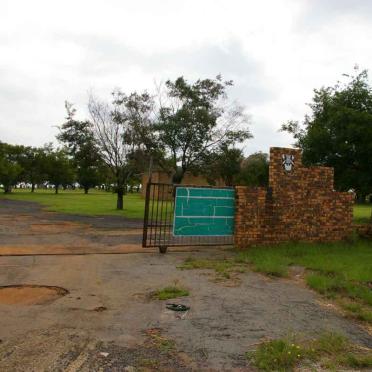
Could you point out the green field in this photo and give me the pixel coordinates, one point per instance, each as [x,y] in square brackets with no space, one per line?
[76,202]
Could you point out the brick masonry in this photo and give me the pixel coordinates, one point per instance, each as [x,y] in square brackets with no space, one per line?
[300,204]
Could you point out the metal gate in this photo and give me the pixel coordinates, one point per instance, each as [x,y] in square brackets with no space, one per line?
[183,215]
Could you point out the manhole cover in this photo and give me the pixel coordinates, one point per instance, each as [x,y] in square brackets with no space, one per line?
[30,294]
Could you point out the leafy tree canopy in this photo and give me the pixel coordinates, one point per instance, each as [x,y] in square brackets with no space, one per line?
[338,132]
[255,170]
[78,137]
[195,120]
[10,170]
[224,164]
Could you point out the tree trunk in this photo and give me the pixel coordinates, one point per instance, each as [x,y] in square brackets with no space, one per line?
[120,200]
[56,189]
[178,176]
[7,189]
[86,189]
[32,187]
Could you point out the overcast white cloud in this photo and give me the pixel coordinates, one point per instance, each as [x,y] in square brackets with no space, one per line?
[276,52]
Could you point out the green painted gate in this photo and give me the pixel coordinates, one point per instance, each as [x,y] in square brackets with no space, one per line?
[202,211]
[178,215]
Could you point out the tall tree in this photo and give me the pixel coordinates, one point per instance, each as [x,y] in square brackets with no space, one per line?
[10,170]
[338,133]
[81,145]
[138,113]
[115,139]
[195,120]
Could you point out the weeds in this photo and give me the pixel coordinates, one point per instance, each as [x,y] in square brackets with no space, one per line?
[330,350]
[339,271]
[276,355]
[157,340]
[358,311]
[169,292]
[222,267]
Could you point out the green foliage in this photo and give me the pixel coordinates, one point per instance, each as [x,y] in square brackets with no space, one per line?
[58,168]
[170,292]
[224,164]
[329,350]
[32,161]
[81,146]
[9,173]
[194,124]
[338,133]
[277,355]
[10,169]
[255,170]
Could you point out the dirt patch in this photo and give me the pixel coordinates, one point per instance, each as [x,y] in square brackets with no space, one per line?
[99,309]
[30,294]
[64,349]
[54,228]
[26,228]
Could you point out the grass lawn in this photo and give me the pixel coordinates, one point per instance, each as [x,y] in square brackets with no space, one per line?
[76,202]
[362,213]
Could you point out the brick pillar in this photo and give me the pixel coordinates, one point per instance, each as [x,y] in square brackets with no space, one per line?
[249,215]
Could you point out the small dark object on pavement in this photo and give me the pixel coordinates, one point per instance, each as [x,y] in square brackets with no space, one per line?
[177,307]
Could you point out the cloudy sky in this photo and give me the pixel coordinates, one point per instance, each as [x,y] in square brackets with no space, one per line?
[276,52]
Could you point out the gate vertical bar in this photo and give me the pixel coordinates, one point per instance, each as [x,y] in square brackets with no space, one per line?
[161,232]
[146,215]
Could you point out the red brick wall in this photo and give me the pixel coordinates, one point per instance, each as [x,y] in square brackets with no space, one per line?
[298,205]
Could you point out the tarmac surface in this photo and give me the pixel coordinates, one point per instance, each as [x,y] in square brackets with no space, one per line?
[26,228]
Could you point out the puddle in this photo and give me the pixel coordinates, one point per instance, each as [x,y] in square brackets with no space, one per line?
[30,294]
